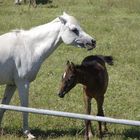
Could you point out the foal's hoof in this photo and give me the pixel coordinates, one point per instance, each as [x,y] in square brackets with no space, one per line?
[101,136]
[105,130]
[89,136]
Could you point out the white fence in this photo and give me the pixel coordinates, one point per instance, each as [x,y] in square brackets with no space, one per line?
[69,115]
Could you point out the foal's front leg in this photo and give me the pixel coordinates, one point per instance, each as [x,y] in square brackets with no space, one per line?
[23,89]
[100,101]
[88,129]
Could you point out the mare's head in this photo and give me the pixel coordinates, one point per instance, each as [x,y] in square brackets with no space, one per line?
[68,79]
[73,34]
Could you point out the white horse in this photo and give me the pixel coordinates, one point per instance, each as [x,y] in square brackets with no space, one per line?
[22,53]
[31,2]
[18,1]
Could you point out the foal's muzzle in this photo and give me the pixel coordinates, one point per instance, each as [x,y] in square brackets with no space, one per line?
[61,95]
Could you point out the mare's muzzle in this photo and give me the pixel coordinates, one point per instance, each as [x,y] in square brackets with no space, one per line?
[89,44]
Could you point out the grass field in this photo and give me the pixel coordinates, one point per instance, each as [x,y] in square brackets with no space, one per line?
[116,26]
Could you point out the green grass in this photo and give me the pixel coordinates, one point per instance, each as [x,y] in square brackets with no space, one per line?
[116,27]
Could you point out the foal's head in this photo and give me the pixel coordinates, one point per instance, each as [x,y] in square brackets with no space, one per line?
[69,79]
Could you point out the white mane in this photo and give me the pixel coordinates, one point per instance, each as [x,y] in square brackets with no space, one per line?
[70,19]
[16,31]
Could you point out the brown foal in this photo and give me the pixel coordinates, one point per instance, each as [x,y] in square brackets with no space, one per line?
[93,75]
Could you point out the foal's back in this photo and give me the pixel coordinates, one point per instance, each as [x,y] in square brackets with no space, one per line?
[99,59]
[97,73]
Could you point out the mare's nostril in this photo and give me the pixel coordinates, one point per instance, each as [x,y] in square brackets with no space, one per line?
[93,42]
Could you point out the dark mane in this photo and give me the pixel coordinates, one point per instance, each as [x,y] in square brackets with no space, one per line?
[86,65]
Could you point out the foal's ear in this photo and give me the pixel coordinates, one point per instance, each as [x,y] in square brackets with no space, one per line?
[63,20]
[68,62]
[72,66]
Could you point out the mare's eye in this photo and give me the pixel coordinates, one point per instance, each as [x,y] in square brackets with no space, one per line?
[76,31]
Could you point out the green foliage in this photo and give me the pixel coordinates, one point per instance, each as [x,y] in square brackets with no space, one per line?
[116,26]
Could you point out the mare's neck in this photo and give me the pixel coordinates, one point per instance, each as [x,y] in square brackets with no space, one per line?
[44,39]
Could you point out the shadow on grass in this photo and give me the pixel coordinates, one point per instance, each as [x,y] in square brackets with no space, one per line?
[43,1]
[133,132]
[49,2]
[54,133]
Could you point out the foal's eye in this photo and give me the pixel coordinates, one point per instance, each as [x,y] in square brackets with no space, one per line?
[76,31]
[71,78]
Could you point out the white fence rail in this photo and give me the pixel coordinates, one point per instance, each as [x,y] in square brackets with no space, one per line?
[69,115]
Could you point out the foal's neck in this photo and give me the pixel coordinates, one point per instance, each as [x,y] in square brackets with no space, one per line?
[81,75]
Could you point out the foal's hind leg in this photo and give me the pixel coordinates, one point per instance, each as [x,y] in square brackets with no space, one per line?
[88,129]
[9,91]
[100,101]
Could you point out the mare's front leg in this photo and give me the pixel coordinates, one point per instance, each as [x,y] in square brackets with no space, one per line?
[88,129]
[9,91]
[100,101]
[23,89]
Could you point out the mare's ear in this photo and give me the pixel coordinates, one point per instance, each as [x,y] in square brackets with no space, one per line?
[63,20]
[65,14]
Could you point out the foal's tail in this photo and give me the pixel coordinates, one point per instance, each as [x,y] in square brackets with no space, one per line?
[108,59]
